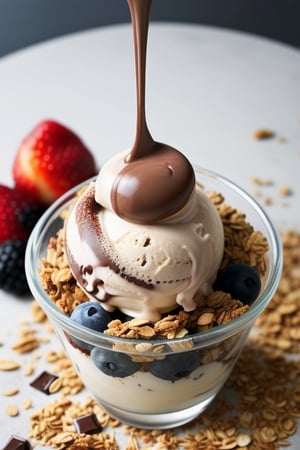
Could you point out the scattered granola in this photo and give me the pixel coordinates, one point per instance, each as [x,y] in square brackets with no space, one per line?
[27,403]
[38,315]
[9,364]
[261,182]
[29,369]
[132,444]
[70,383]
[285,191]
[26,343]
[268,201]
[281,139]
[280,322]
[10,392]
[53,425]
[263,133]
[12,410]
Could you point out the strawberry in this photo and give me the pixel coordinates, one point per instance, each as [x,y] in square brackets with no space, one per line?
[12,204]
[51,160]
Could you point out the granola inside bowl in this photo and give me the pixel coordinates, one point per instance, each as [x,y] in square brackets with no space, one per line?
[158,374]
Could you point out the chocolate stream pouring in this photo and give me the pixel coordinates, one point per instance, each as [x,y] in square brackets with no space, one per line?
[152,170]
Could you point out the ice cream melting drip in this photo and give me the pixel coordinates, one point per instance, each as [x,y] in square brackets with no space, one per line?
[151,170]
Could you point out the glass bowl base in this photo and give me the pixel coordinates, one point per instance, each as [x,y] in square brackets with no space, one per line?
[160,420]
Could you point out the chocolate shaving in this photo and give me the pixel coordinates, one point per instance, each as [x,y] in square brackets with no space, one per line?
[43,382]
[87,424]
[17,443]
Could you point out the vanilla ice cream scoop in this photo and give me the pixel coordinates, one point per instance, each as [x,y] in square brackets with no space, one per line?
[144,270]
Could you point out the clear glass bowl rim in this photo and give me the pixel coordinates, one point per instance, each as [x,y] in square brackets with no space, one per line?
[200,339]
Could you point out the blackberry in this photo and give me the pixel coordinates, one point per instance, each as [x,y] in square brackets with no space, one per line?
[12,272]
[30,214]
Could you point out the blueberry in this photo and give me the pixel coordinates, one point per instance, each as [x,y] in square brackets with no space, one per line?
[239,280]
[112,363]
[91,315]
[176,366]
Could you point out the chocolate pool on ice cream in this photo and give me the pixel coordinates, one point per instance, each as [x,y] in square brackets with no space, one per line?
[153,274]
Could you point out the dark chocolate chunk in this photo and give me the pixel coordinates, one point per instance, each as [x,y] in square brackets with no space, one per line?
[43,382]
[87,424]
[17,443]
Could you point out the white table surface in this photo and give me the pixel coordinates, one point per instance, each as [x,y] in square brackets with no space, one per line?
[208,90]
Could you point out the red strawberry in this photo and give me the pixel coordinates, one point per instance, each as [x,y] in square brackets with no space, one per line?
[12,205]
[51,160]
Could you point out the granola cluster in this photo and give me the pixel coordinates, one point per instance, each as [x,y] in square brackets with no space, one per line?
[242,244]
[57,278]
[214,309]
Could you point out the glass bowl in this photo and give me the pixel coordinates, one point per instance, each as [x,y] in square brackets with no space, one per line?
[141,391]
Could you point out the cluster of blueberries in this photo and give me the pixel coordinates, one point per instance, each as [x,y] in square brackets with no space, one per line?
[118,364]
[241,281]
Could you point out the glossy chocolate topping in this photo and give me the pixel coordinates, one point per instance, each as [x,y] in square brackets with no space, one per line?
[100,252]
[156,180]
[153,187]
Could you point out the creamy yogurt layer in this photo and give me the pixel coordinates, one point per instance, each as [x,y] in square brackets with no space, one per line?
[146,393]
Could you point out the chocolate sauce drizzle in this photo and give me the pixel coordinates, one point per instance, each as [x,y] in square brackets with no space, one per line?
[157,180]
[92,237]
[140,12]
